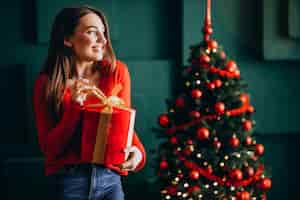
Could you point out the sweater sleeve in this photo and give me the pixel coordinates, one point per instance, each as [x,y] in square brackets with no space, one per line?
[125,94]
[53,137]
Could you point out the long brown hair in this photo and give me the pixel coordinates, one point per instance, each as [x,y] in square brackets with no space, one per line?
[59,65]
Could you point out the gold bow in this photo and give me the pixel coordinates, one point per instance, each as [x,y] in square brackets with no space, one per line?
[108,102]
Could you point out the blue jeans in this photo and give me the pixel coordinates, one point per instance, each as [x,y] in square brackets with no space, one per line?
[89,182]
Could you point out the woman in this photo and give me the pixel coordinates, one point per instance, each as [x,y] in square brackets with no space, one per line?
[80,55]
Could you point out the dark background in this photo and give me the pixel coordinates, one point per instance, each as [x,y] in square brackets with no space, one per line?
[153,38]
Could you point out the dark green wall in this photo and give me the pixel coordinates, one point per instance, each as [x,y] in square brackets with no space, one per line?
[152,37]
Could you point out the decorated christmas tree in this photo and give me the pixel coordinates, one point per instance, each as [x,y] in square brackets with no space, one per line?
[208,150]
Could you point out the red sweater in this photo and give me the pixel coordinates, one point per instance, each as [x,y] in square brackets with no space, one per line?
[59,141]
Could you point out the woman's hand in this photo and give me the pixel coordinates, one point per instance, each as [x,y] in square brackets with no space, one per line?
[80,89]
[134,158]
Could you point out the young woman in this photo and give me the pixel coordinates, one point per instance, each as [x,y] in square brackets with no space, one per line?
[80,54]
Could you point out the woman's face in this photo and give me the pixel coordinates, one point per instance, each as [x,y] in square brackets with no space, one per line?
[88,40]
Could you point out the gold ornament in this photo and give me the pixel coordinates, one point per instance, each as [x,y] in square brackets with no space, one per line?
[187,83]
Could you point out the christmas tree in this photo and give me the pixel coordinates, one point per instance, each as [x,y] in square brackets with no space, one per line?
[208,150]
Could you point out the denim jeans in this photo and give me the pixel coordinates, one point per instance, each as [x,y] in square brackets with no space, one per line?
[89,182]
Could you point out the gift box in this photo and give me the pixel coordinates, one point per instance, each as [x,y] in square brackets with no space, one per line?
[107,129]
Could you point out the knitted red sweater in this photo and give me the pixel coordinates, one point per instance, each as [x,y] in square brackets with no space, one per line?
[59,142]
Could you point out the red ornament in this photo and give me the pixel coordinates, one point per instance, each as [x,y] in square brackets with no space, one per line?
[196,93]
[220,107]
[236,174]
[208,30]
[204,59]
[263,197]
[163,165]
[172,190]
[179,102]
[194,114]
[249,171]
[248,140]
[231,66]
[222,55]
[247,125]
[194,188]
[265,183]
[259,149]
[237,73]
[217,144]
[234,142]
[203,133]
[218,83]
[187,151]
[211,86]
[194,174]
[189,142]
[244,98]
[212,44]
[244,195]
[251,109]
[174,140]
[163,120]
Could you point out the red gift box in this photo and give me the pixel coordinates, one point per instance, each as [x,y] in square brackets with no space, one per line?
[107,129]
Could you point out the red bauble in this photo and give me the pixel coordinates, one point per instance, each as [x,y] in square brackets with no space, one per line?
[259,149]
[204,58]
[244,98]
[187,151]
[234,142]
[244,195]
[265,183]
[203,133]
[172,190]
[189,142]
[247,125]
[220,107]
[217,144]
[251,109]
[194,114]
[196,93]
[193,189]
[179,102]
[263,197]
[222,55]
[231,66]
[174,140]
[208,30]
[248,140]
[194,174]
[212,44]
[249,171]
[237,73]
[218,83]
[163,120]
[236,174]
[163,164]
[211,86]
